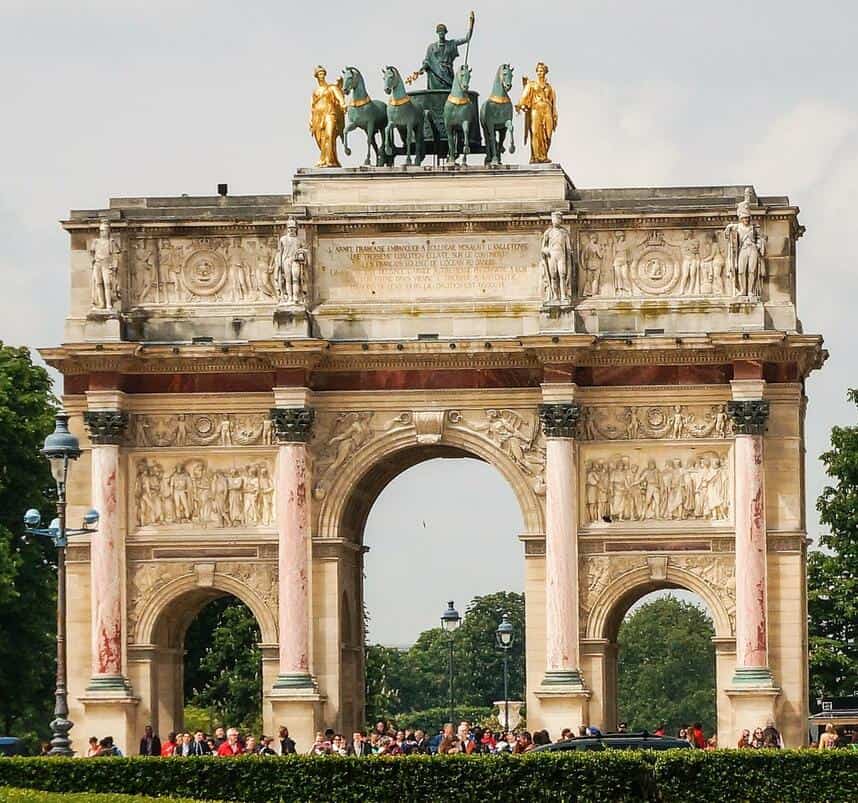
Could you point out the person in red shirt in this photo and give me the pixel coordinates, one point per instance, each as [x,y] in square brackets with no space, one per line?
[696,737]
[660,729]
[230,747]
[169,747]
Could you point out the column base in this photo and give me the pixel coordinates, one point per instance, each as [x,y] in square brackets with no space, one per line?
[297,708]
[295,680]
[570,678]
[112,713]
[755,677]
[113,685]
[751,708]
[562,706]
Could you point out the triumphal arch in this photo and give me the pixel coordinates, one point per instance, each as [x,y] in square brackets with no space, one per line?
[246,375]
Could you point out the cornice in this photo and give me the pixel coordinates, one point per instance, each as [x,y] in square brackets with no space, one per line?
[530,352]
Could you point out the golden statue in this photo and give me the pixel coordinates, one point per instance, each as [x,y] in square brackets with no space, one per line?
[539,104]
[327,118]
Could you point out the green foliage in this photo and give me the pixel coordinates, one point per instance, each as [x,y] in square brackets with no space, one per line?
[612,776]
[764,776]
[667,666]
[432,720]
[399,682]
[27,575]
[224,664]
[10,795]
[832,573]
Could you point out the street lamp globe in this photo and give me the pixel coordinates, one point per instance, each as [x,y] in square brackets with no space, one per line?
[60,447]
[450,619]
[505,633]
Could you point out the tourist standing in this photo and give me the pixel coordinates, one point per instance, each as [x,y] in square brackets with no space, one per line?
[150,744]
[828,740]
[745,740]
[287,745]
[230,747]
[169,747]
[200,746]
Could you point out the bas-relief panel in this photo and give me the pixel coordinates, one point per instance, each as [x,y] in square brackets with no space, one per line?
[599,572]
[200,429]
[657,421]
[339,437]
[212,492]
[672,485]
[656,264]
[412,269]
[202,270]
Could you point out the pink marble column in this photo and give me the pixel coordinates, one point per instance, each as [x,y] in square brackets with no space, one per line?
[106,429]
[561,545]
[292,428]
[752,664]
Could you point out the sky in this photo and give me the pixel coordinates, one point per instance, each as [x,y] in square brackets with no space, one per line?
[115,98]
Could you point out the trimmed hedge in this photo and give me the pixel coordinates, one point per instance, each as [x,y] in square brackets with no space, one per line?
[762,776]
[575,778]
[9,795]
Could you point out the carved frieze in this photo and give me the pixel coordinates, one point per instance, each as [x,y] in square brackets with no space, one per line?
[201,429]
[639,422]
[217,492]
[146,579]
[652,264]
[260,577]
[201,270]
[679,484]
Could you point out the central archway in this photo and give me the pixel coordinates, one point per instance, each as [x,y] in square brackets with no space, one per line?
[339,544]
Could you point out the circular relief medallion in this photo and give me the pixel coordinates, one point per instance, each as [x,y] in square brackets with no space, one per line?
[204,273]
[204,426]
[655,272]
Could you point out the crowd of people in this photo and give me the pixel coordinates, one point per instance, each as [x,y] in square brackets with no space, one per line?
[385,739]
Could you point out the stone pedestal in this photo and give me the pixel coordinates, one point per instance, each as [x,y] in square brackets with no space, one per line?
[103,325]
[300,710]
[106,429]
[291,320]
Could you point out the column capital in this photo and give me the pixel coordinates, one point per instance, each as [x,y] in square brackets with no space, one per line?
[106,426]
[748,416]
[559,419]
[292,424]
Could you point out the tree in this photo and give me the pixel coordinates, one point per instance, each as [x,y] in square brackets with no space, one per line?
[832,573]
[27,564]
[666,666]
[402,681]
[224,663]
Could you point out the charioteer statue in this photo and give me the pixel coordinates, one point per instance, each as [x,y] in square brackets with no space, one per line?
[440,55]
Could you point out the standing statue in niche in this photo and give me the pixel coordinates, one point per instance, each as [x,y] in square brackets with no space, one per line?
[621,260]
[539,104]
[746,251]
[556,257]
[104,262]
[290,263]
[327,118]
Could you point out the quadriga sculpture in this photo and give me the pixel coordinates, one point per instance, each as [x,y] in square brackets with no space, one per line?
[365,113]
[460,115]
[496,116]
[403,116]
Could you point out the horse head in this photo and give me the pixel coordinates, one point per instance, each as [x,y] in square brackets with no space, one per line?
[505,76]
[349,79]
[463,77]
[391,78]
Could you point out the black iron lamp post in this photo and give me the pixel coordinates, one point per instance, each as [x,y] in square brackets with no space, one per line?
[61,448]
[450,621]
[505,636]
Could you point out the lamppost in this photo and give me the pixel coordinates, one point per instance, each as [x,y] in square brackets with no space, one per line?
[505,635]
[60,448]
[450,621]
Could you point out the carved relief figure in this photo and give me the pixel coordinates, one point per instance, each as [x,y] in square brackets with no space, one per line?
[746,251]
[621,261]
[689,281]
[712,266]
[654,422]
[195,492]
[290,264]
[327,118]
[592,255]
[556,255]
[104,264]
[539,104]
[620,490]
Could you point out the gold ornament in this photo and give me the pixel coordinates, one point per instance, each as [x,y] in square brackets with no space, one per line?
[539,104]
[327,118]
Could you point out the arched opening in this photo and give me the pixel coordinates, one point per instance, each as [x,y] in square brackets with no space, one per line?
[208,663]
[664,665]
[432,527]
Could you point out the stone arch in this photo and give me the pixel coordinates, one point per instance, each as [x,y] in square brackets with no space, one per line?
[346,504]
[196,595]
[611,605]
